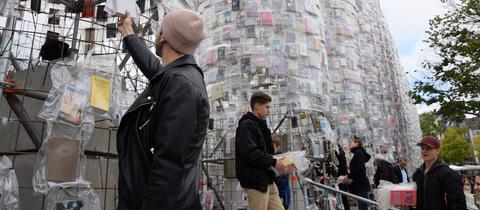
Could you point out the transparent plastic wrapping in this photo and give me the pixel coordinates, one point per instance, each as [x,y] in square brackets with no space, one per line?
[470,199]
[68,98]
[404,192]
[90,86]
[61,161]
[72,198]
[298,158]
[9,195]
[312,207]
[7,8]
[104,87]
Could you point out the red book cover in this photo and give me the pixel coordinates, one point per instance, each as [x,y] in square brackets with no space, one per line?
[403,197]
[88,8]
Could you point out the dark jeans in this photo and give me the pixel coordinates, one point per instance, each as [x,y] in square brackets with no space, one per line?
[362,205]
[346,205]
[285,196]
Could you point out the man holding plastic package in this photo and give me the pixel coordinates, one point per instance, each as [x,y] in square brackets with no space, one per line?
[160,137]
[254,156]
[438,186]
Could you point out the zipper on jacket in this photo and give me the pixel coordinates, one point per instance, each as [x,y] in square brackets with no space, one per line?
[143,104]
[152,106]
[144,124]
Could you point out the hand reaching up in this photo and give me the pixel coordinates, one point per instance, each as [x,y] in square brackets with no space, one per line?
[124,25]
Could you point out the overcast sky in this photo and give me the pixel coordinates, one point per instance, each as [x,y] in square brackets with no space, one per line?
[408,21]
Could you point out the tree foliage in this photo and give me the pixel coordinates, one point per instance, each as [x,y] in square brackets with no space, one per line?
[429,125]
[454,80]
[455,148]
[476,144]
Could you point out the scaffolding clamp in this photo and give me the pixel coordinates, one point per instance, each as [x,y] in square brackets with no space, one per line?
[9,84]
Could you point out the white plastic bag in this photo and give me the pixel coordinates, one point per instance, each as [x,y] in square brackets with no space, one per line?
[9,197]
[383,192]
[299,160]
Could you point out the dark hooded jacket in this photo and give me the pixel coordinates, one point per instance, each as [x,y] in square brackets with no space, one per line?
[342,162]
[358,172]
[440,189]
[253,153]
[385,172]
[160,137]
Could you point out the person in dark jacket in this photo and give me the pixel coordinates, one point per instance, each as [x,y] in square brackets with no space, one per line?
[401,171]
[254,156]
[342,171]
[282,180]
[438,186]
[160,137]
[384,171]
[358,173]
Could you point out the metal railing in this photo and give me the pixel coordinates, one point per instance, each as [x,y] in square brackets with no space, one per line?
[307,181]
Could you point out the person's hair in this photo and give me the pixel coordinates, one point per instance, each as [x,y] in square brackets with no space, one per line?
[276,140]
[259,97]
[357,140]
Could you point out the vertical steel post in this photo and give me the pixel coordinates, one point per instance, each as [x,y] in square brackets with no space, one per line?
[6,48]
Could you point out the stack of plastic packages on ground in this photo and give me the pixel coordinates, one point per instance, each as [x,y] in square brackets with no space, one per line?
[330,66]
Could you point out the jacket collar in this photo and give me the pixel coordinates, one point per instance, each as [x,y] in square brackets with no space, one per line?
[438,163]
[182,61]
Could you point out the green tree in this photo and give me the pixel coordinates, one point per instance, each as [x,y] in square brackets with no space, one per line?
[454,75]
[476,144]
[429,125]
[455,148]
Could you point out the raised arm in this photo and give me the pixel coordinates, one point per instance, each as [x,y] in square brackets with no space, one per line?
[146,61]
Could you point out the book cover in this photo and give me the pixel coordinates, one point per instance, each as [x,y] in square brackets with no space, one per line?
[235,5]
[266,18]
[100,93]
[74,98]
[70,204]
[63,160]
[88,11]
[405,197]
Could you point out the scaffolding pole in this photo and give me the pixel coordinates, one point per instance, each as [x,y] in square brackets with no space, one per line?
[6,48]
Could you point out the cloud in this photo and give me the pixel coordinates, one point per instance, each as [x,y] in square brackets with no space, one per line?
[408,20]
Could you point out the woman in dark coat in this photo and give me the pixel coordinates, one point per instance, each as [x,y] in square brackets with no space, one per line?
[359,184]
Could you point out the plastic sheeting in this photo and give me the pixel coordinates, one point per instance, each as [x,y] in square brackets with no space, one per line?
[79,198]
[9,197]
[385,190]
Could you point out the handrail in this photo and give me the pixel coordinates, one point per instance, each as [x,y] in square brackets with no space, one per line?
[356,197]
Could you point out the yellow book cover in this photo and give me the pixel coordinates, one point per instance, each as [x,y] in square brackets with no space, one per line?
[100,95]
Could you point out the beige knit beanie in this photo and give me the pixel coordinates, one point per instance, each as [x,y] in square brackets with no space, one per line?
[183,30]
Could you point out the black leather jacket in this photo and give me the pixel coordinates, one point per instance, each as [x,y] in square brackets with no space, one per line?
[160,137]
[440,189]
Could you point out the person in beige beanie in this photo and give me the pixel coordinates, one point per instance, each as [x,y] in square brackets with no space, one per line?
[160,137]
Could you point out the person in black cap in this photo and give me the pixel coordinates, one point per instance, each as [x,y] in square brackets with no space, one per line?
[438,186]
